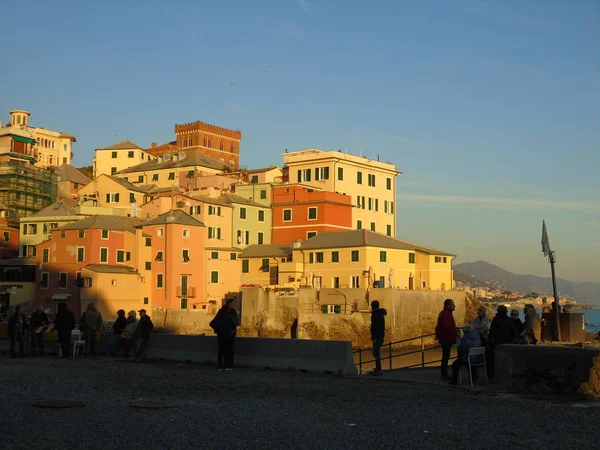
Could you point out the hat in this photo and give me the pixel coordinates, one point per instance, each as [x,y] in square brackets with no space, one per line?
[142,310]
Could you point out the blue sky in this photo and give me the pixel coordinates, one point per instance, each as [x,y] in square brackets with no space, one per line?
[491,109]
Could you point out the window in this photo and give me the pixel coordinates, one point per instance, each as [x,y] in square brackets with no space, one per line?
[385,206]
[214,277]
[113,170]
[184,303]
[363,203]
[185,256]
[261,216]
[311,258]
[63,234]
[355,282]
[190,174]
[214,255]
[319,257]
[112,198]
[45,228]
[80,254]
[104,234]
[358,204]
[195,210]
[146,300]
[254,179]
[33,228]
[371,180]
[355,255]
[214,210]
[131,197]
[214,233]
[261,237]
[64,147]
[62,280]
[370,204]
[113,283]
[171,175]
[148,265]
[120,256]
[335,281]
[243,213]
[331,309]
[148,242]
[358,177]
[438,259]
[78,280]
[372,226]
[31,250]
[388,184]
[130,154]
[103,255]
[210,143]
[185,233]
[411,258]
[44,280]
[159,280]
[159,257]
[81,234]
[263,194]
[5,236]
[382,256]
[221,146]
[310,234]
[444,259]
[391,207]
[287,215]
[264,267]
[245,265]
[376,204]
[388,230]
[140,178]
[114,155]
[45,255]
[233,256]
[231,148]
[304,175]
[340,173]
[359,224]
[321,173]
[335,256]
[155,177]
[312,213]
[160,232]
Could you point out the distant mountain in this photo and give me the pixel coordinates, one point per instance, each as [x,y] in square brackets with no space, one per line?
[484,274]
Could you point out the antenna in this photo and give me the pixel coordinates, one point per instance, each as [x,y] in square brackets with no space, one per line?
[115,138]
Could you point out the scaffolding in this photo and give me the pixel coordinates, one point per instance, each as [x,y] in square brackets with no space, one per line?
[26,189]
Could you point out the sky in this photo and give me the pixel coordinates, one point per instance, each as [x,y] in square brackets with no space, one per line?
[490,109]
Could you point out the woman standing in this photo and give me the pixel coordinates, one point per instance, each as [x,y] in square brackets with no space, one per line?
[532,328]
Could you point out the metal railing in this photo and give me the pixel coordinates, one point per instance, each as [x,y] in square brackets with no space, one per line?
[422,349]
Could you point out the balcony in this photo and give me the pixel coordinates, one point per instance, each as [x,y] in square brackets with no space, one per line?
[186,291]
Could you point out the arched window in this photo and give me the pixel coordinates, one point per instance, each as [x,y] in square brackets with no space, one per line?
[221,146]
[231,148]
[210,143]
[204,141]
[18,120]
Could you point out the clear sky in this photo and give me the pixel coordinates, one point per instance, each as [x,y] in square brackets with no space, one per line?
[491,109]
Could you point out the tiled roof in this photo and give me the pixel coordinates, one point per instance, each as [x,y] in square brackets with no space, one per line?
[212,200]
[22,261]
[62,207]
[68,136]
[364,238]
[234,198]
[104,223]
[144,188]
[264,251]
[67,172]
[125,145]
[185,159]
[264,169]
[173,217]
[110,268]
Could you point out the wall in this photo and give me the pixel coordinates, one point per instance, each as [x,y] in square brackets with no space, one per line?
[103,186]
[250,224]
[183,321]
[9,248]
[162,175]
[104,161]
[257,192]
[207,139]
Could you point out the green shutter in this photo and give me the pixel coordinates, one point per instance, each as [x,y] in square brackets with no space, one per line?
[23,139]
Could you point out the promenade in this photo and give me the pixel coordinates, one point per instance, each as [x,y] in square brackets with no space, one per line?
[249,408]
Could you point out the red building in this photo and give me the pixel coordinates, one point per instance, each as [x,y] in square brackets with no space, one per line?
[9,240]
[300,212]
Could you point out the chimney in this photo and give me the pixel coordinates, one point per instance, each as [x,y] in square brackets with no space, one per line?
[154,145]
[297,244]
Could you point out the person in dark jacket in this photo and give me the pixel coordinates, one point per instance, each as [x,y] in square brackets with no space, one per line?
[377,334]
[144,328]
[514,315]
[64,322]
[445,333]
[502,331]
[471,339]
[225,325]
[118,328]
[38,319]
[16,330]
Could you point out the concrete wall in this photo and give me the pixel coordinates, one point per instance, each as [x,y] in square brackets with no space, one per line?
[182,321]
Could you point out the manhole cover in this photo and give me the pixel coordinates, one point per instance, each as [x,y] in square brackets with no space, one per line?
[59,404]
[152,405]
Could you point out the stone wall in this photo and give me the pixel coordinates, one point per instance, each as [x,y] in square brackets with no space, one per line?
[183,321]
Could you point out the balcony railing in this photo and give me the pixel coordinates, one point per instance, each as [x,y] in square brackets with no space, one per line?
[186,291]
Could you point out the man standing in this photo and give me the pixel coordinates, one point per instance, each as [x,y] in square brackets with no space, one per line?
[38,319]
[377,334]
[144,328]
[225,325]
[16,329]
[445,333]
[64,322]
[91,322]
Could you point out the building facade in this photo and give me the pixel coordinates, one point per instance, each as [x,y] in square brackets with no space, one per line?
[114,192]
[114,158]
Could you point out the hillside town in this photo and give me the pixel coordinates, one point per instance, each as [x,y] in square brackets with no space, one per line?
[182,225]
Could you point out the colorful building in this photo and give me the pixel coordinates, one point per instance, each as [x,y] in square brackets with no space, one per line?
[70,180]
[114,192]
[370,183]
[300,212]
[9,243]
[114,158]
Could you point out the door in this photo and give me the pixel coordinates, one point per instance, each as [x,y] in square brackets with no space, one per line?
[411,282]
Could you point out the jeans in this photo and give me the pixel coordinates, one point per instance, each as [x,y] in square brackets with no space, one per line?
[17,336]
[446,351]
[64,339]
[377,353]
[142,344]
[37,343]
[90,343]
[225,353]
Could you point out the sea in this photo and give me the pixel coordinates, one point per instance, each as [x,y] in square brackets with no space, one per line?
[592,319]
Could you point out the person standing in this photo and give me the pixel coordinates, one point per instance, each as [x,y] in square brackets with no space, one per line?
[118,328]
[514,315]
[377,334]
[532,328]
[38,319]
[16,331]
[144,328]
[64,322]
[445,333]
[502,331]
[128,335]
[224,325]
[481,324]
[90,324]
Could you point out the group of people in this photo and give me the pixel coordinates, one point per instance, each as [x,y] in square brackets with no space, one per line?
[127,332]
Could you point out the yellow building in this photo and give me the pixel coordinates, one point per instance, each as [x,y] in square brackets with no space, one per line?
[112,159]
[370,183]
[115,192]
[349,259]
[51,148]
[173,170]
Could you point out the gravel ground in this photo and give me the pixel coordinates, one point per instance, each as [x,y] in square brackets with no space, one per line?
[266,409]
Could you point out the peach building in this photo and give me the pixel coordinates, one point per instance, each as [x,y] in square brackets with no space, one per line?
[9,240]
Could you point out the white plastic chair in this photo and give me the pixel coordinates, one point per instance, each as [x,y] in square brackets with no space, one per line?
[474,353]
[77,343]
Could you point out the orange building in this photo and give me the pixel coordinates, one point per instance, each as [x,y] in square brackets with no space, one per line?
[218,143]
[300,212]
[9,240]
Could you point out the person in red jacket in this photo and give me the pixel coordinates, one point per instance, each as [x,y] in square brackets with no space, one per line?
[445,333]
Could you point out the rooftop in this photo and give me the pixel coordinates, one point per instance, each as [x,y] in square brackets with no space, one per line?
[62,207]
[364,238]
[143,188]
[110,268]
[125,145]
[303,156]
[173,217]
[67,172]
[184,159]
[238,199]
[113,223]
[268,250]
[22,261]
